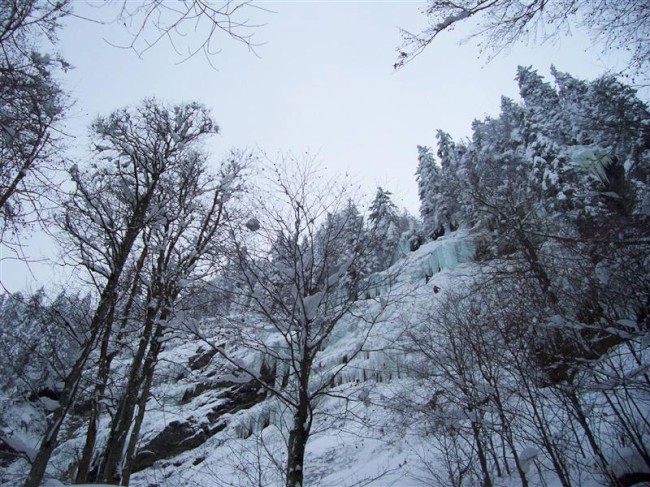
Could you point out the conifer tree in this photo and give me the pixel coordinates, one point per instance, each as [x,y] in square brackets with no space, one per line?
[428,179]
[449,204]
[384,230]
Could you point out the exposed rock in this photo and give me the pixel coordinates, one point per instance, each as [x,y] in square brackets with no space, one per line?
[198,389]
[176,438]
[243,397]
[46,392]
[181,436]
[82,407]
[202,358]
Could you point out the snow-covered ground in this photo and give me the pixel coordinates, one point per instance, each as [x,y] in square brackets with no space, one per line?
[355,439]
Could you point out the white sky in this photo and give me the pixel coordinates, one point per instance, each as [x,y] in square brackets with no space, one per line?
[323,83]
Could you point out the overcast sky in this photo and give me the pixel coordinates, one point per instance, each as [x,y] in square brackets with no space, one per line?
[322,82]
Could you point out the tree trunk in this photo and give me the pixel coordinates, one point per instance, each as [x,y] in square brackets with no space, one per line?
[532,258]
[579,414]
[69,392]
[507,435]
[301,426]
[147,377]
[297,442]
[24,168]
[105,361]
[99,321]
[541,424]
[124,415]
[482,458]
[95,413]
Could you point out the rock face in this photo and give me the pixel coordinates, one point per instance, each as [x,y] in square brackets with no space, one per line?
[176,438]
[201,359]
[182,436]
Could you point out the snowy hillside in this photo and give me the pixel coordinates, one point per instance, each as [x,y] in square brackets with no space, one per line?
[356,437]
[205,426]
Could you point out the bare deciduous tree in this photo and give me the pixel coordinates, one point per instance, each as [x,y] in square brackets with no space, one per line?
[189,26]
[139,156]
[299,276]
[617,25]
[184,249]
[32,104]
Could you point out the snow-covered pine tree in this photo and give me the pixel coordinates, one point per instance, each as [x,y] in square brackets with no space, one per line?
[449,204]
[545,131]
[428,179]
[384,230]
[382,207]
[440,186]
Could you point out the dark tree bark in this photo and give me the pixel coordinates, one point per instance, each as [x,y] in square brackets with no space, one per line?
[147,378]
[299,434]
[123,418]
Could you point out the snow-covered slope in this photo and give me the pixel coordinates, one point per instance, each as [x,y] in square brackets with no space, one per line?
[355,438]
[208,425]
